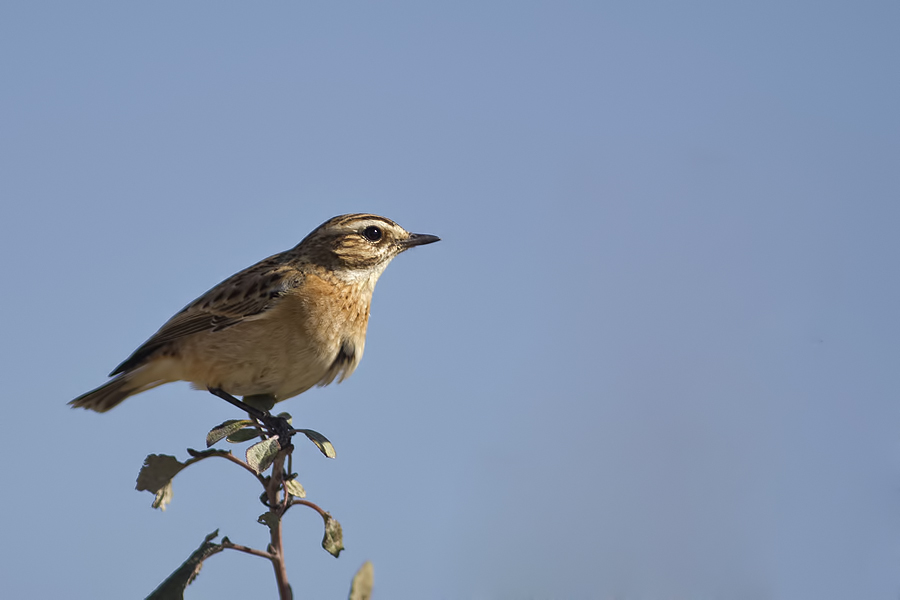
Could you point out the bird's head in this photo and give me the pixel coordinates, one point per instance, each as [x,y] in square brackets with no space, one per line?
[358,246]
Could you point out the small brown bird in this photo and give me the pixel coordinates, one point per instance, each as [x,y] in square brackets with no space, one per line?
[292,321]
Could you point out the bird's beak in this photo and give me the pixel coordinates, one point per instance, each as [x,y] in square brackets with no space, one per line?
[419,239]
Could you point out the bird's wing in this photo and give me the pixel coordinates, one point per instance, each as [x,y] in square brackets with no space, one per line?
[245,295]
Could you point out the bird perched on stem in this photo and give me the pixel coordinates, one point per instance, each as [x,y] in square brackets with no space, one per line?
[289,322]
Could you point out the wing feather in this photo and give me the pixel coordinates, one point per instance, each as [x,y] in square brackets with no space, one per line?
[244,296]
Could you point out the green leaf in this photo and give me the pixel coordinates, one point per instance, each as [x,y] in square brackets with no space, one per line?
[163,497]
[333,542]
[157,472]
[286,416]
[361,588]
[320,441]
[264,402]
[243,435]
[173,587]
[261,455]
[293,487]
[224,430]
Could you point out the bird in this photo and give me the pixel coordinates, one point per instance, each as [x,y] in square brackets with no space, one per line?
[294,320]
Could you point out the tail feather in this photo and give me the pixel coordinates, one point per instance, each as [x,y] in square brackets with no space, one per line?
[114,391]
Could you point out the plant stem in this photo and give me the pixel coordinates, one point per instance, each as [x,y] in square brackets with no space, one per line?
[277,546]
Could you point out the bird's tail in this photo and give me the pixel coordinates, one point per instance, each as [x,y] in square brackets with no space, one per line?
[114,391]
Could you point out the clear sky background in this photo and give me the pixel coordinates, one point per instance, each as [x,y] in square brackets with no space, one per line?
[655,355]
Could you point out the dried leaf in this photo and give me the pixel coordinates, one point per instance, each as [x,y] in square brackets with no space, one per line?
[268,519]
[157,472]
[333,541]
[224,430]
[261,455]
[163,497]
[294,488]
[173,587]
[159,469]
[361,588]
[201,454]
[320,441]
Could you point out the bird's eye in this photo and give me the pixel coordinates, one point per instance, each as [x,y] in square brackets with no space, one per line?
[372,233]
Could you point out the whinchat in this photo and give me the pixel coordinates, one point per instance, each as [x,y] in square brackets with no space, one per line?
[292,321]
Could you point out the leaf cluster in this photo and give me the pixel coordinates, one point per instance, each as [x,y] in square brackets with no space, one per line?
[269,461]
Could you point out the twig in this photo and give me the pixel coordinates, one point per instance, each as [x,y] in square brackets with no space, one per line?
[313,506]
[232,458]
[226,543]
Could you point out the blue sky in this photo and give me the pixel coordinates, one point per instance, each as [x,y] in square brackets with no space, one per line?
[654,356]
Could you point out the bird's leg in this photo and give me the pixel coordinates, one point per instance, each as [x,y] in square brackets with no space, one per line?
[250,410]
[274,425]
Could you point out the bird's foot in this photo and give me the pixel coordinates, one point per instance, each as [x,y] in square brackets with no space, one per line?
[276,425]
[258,408]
